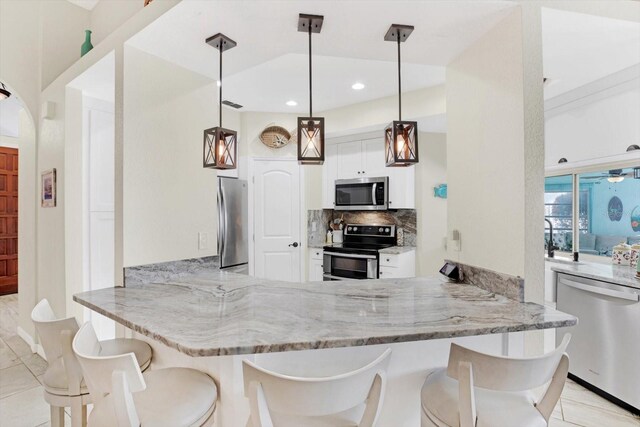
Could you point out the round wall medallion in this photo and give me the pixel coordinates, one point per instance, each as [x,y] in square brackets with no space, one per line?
[615,209]
[275,136]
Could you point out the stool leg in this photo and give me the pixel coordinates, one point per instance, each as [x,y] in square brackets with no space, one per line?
[57,416]
[78,413]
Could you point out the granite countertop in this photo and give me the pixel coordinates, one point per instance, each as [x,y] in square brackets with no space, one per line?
[396,250]
[214,313]
[618,274]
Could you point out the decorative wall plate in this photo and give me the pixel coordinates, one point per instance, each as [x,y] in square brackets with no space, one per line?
[275,136]
[615,209]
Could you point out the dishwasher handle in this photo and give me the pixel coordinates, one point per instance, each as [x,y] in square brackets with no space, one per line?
[630,296]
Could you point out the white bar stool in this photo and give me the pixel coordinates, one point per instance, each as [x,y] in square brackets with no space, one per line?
[62,381]
[124,397]
[351,399]
[480,390]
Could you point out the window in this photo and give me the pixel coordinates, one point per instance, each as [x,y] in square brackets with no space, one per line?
[558,210]
[609,210]
[614,210]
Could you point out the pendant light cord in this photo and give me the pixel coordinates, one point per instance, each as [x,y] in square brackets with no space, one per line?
[220,90]
[399,83]
[310,76]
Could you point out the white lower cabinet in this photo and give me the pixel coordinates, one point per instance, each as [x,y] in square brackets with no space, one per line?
[395,266]
[315,265]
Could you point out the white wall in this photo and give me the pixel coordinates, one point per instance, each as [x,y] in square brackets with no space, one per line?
[431,171]
[108,15]
[28,191]
[168,196]
[377,114]
[486,162]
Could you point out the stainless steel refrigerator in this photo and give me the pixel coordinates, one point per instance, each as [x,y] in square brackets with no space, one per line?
[233,222]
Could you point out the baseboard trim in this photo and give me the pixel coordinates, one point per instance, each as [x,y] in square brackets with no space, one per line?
[604,394]
[28,339]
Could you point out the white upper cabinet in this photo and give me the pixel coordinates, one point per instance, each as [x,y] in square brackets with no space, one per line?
[365,158]
[350,161]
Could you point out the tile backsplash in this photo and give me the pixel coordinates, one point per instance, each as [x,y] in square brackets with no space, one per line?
[402,218]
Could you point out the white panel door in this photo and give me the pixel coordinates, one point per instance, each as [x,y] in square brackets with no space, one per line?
[277,211]
[350,160]
[101,250]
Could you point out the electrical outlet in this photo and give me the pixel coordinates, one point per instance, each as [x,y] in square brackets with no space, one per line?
[456,241]
[203,241]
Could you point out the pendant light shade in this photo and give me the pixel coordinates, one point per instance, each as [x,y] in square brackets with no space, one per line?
[310,129]
[401,136]
[401,143]
[4,93]
[220,144]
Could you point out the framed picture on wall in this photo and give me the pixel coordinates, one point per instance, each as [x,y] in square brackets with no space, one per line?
[48,189]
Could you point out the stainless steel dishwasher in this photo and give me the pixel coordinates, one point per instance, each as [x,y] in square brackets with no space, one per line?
[605,348]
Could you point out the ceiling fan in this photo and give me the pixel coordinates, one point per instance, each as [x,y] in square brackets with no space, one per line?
[614,175]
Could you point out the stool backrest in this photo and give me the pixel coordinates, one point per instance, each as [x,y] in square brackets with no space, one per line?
[507,374]
[50,328]
[315,397]
[98,370]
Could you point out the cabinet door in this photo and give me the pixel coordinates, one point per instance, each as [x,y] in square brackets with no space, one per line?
[373,158]
[402,187]
[350,160]
[329,176]
[315,270]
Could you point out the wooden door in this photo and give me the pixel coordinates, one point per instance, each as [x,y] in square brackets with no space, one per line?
[276,218]
[8,220]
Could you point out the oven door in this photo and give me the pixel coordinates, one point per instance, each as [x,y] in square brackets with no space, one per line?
[362,194]
[345,266]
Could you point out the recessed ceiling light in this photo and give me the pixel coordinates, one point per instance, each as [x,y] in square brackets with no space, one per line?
[292,103]
[357,86]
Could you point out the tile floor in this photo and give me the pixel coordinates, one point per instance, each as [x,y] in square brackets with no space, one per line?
[22,404]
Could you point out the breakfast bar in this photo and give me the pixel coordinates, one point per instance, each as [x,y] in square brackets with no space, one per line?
[213,319]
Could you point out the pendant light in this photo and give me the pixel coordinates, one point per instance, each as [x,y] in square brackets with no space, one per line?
[4,93]
[401,136]
[220,144]
[310,129]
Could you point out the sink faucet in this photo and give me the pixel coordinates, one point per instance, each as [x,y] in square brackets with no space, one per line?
[550,247]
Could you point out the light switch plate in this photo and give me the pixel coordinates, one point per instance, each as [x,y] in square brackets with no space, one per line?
[203,241]
[456,240]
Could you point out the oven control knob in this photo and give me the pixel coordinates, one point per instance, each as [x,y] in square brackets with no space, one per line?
[349,228]
[387,230]
[380,229]
[355,228]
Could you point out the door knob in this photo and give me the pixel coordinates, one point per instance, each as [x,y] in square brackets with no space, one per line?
[294,244]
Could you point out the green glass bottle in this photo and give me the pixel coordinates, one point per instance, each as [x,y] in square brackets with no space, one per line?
[86,46]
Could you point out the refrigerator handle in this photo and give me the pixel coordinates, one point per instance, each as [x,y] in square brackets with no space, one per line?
[222,222]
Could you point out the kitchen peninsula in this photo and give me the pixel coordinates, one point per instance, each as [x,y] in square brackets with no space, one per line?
[212,319]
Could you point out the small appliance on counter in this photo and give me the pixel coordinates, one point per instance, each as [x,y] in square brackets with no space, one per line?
[452,272]
[357,257]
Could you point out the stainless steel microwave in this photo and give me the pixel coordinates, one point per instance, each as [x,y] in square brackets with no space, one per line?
[362,194]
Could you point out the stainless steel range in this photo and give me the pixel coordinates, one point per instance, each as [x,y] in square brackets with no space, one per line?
[358,257]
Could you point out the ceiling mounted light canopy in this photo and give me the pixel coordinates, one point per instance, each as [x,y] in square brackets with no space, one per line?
[4,93]
[310,129]
[220,144]
[401,136]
